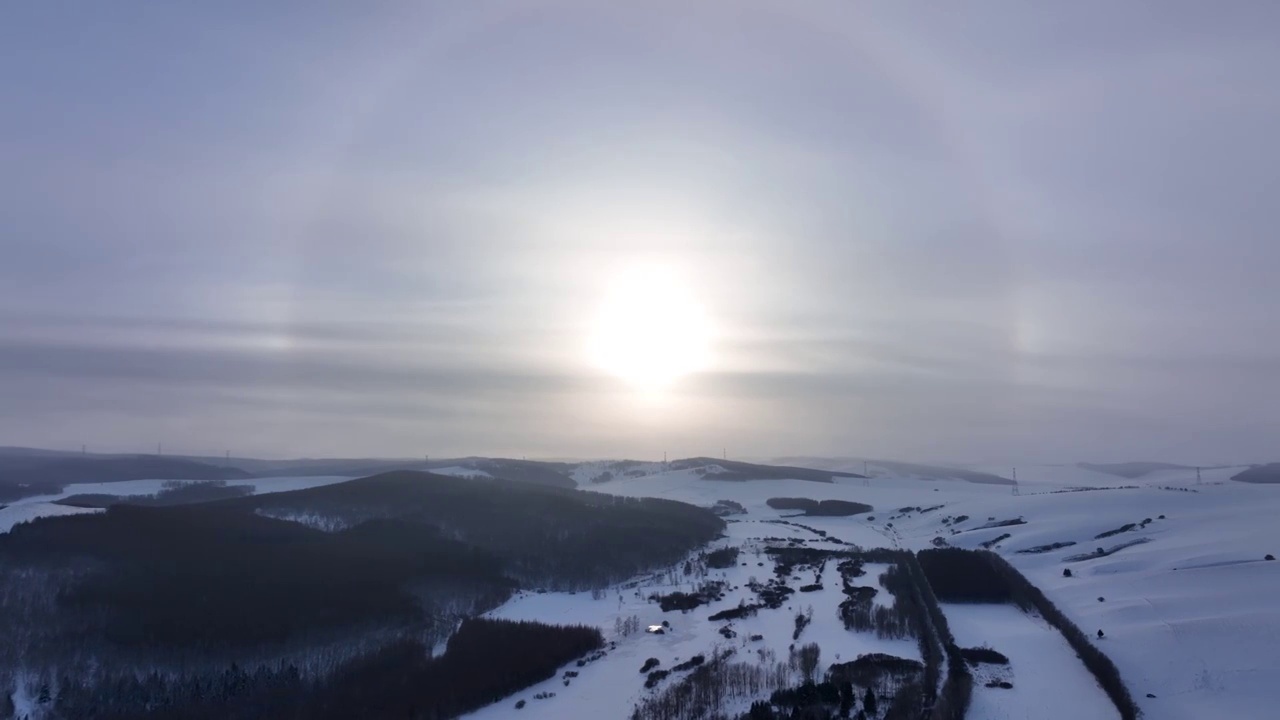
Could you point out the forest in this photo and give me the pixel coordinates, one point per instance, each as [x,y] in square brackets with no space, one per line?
[172,492]
[27,475]
[191,591]
[484,661]
[820,508]
[736,470]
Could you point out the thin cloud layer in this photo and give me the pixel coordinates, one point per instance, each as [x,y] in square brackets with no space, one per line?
[1020,232]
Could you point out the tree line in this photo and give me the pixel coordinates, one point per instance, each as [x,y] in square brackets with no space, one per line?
[983,576]
[485,661]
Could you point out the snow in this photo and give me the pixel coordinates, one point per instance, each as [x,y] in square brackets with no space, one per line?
[611,686]
[589,473]
[461,472]
[1049,681]
[17,514]
[1190,616]
[30,508]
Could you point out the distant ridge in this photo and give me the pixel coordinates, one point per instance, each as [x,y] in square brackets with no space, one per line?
[736,470]
[1131,470]
[28,475]
[1266,474]
[920,470]
[938,472]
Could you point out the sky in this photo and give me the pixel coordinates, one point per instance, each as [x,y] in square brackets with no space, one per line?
[976,232]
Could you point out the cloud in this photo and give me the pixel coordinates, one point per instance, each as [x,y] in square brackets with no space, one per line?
[1018,230]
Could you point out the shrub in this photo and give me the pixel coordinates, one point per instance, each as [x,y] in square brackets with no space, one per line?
[1066,572]
[983,655]
[689,664]
[722,558]
[1122,529]
[1002,684]
[802,621]
[736,613]
[1270,557]
[654,678]
[995,541]
[649,664]
[1046,548]
[520,704]
[688,601]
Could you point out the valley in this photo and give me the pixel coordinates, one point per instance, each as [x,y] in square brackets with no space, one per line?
[778,596]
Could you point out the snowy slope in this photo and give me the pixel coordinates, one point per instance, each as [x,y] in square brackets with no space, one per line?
[1190,614]
[611,686]
[1049,681]
[44,505]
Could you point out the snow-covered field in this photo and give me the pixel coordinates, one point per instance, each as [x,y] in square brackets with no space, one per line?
[459,471]
[611,686]
[1189,615]
[1049,681]
[20,511]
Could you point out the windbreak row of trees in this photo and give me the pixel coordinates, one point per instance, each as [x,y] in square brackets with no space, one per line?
[952,701]
[982,576]
[820,508]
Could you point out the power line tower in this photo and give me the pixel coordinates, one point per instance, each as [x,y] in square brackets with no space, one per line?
[1016,491]
[1198,476]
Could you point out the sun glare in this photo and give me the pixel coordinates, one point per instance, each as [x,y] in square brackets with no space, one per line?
[650,329]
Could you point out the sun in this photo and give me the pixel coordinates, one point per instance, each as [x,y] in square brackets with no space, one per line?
[650,330]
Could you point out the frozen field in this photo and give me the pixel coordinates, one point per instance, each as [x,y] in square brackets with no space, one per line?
[1049,682]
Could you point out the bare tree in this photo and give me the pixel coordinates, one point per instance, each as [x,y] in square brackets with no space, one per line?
[809,656]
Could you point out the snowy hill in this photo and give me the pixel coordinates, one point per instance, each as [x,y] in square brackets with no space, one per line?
[1187,596]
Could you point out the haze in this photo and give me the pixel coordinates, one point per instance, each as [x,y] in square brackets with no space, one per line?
[1006,230]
